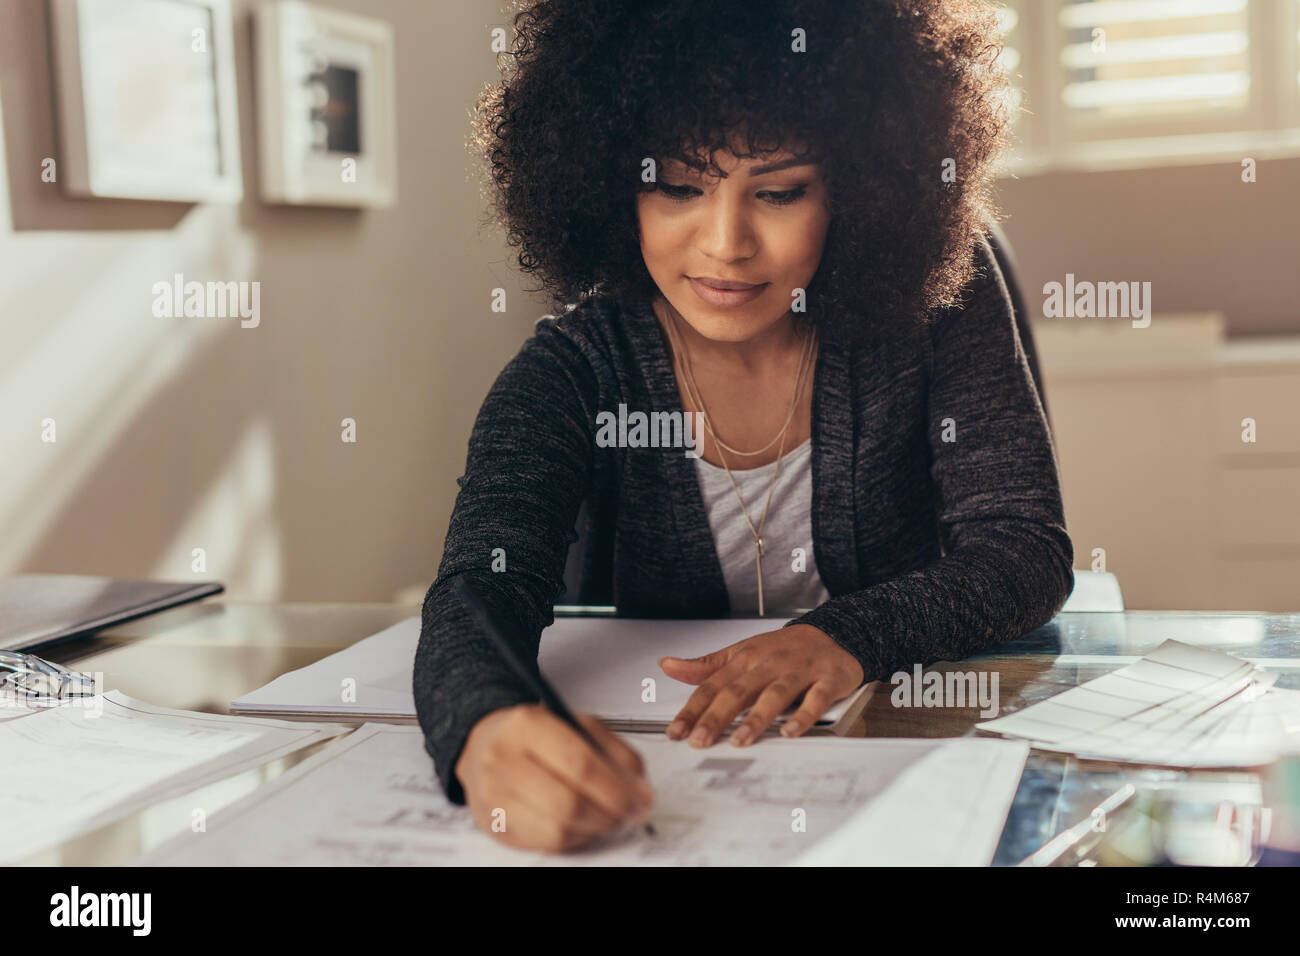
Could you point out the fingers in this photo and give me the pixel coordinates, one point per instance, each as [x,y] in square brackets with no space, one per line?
[700,700]
[697,669]
[613,746]
[816,702]
[717,702]
[532,780]
[604,780]
[550,811]
[514,820]
[528,828]
[770,704]
[765,673]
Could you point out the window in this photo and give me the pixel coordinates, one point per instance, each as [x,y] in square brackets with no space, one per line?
[1132,82]
[1009,60]
[1126,61]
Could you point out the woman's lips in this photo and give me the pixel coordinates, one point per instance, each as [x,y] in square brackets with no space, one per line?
[726,298]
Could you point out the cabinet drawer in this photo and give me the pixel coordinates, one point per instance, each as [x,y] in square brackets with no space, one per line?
[1269,396]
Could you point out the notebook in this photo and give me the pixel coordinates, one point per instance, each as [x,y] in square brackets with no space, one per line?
[605,666]
[37,609]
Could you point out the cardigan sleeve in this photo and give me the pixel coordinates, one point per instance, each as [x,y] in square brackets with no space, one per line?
[1007,559]
[527,471]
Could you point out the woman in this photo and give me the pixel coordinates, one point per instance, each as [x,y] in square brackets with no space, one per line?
[771,213]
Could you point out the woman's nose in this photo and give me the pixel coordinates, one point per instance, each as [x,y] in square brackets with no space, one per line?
[727,232]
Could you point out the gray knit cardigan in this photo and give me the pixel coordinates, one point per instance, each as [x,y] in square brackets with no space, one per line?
[937,520]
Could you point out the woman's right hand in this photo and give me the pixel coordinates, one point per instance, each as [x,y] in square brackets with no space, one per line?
[531,781]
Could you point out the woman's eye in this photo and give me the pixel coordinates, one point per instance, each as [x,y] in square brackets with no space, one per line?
[785,197]
[677,192]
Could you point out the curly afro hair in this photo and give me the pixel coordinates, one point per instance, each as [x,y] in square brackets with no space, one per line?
[887,95]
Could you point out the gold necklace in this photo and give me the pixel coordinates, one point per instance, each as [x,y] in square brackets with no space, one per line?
[692,392]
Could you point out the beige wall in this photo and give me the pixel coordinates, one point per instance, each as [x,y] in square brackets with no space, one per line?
[174,434]
[185,433]
[1206,241]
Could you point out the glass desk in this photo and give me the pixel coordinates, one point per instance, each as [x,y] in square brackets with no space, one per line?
[201,656]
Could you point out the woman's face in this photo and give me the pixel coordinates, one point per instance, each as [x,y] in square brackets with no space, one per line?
[763,224]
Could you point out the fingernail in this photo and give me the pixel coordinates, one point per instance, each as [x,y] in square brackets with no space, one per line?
[701,736]
[676,729]
[742,736]
[791,728]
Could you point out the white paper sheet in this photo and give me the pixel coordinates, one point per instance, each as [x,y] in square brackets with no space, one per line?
[598,665]
[1179,706]
[712,807]
[76,767]
[948,809]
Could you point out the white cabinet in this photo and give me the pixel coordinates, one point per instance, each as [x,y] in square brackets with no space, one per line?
[1154,471]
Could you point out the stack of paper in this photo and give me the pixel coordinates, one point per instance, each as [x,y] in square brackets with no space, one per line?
[79,766]
[1179,706]
[892,802]
[604,666]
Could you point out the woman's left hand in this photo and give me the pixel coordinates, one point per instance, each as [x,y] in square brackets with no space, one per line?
[768,671]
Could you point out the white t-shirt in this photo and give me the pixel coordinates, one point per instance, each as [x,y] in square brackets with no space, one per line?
[790,578]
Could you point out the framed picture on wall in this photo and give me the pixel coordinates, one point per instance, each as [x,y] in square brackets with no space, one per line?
[326,117]
[146,99]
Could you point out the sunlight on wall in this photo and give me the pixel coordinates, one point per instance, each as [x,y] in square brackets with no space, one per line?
[235,524]
[93,361]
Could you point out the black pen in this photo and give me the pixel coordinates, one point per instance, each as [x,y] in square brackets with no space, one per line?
[539,685]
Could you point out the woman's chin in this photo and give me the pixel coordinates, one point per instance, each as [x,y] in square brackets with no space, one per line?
[728,325]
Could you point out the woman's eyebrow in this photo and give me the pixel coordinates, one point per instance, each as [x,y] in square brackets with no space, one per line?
[781,164]
[772,167]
